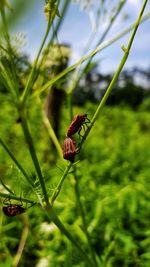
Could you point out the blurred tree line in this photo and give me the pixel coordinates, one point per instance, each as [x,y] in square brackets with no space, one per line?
[132,88]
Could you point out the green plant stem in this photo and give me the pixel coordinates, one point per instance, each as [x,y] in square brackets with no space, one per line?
[79,203]
[58,188]
[116,75]
[63,12]
[9,196]
[56,29]
[23,239]
[102,46]
[52,216]
[6,187]
[3,48]
[112,20]
[32,151]
[28,87]
[6,79]
[16,162]
[52,135]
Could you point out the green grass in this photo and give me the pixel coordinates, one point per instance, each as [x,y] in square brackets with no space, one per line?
[113,176]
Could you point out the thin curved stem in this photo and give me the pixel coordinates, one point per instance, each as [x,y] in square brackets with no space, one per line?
[52,135]
[28,87]
[22,242]
[54,33]
[82,213]
[16,162]
[63,12]
[9,196]
[52,216]
[112,20]
[58,188]
[6,187]
[32,151]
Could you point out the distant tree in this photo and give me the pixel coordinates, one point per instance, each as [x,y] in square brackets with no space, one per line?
[127,89]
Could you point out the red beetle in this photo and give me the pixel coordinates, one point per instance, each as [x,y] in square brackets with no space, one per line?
[12,210]
[76,124]
[69,149]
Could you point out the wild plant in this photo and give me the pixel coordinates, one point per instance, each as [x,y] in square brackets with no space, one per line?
[40,196]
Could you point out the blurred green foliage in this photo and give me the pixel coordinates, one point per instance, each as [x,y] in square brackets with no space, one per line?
[93,86]
[114,181]
[15,10]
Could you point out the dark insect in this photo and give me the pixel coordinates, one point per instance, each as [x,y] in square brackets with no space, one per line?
[69,149]
[13,210]
[76,124]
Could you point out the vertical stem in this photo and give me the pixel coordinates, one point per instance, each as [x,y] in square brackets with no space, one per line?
[112,20]
[52,216]
[23,239]
[52,135]
[79,203]
[66,4]
[58,188]
[32,151]
[16,162]
[28,86]
[136,26]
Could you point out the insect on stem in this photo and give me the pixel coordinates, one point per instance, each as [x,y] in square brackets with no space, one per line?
[76,125]
[69,149]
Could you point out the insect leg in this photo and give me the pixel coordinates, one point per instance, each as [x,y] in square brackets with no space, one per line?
[34,203]
[79,132]
[87,120]
[7,201]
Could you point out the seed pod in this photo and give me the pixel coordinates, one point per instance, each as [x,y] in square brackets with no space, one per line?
[13,209]
[69,149]
[76,124]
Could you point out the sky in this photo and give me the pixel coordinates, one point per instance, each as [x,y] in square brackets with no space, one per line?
[77,28]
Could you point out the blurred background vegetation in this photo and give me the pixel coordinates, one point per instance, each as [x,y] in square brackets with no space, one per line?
[113,169]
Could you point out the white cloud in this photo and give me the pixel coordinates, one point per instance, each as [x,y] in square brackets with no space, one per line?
[134,2]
